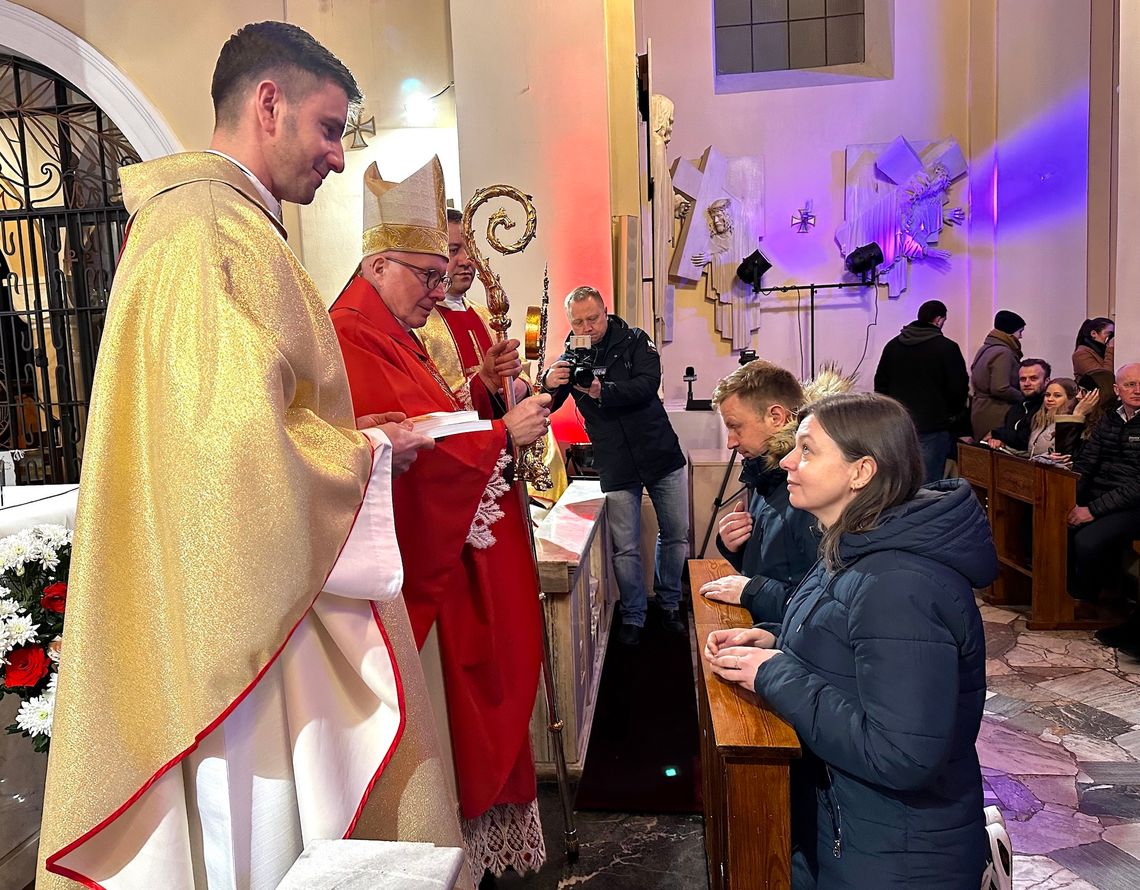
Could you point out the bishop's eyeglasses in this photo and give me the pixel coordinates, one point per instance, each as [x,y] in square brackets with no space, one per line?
[432,278]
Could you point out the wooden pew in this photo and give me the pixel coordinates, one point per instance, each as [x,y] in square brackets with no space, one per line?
[1028,506]
[746,750]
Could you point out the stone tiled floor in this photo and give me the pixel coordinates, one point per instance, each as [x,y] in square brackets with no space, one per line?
[1059,748]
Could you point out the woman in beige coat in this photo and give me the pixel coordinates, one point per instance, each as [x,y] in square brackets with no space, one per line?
[993,374]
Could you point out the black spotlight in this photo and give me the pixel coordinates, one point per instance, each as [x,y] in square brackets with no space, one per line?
[864,259]
[751,268]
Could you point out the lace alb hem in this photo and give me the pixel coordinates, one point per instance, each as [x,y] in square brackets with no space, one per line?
[509,835]
[480,536]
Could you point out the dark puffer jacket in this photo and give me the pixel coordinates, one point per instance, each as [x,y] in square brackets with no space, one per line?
[1109,464]
[883,677]
[783,546]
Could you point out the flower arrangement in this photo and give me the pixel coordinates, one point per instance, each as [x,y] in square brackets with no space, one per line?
[33,595]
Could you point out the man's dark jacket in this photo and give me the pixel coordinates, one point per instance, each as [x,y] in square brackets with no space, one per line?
[634,443]
[883,677]
[782,548]
[1014,432]
[1109,465]
[925,371]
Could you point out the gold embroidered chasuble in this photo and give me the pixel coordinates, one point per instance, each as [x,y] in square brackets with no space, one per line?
[222,475]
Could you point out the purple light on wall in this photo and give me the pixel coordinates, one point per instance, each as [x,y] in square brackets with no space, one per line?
[1043,167]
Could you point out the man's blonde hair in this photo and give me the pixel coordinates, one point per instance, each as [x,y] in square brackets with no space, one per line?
[761,384]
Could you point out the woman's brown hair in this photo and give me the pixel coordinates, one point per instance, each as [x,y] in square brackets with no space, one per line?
[878,427]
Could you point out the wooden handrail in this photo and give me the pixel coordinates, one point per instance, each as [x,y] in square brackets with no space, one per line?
[743,724]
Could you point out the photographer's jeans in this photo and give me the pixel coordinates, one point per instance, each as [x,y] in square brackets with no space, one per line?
[670,499]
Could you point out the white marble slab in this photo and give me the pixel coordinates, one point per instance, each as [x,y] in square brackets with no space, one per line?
[366,865]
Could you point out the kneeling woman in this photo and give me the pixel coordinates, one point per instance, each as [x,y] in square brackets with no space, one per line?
[879,664]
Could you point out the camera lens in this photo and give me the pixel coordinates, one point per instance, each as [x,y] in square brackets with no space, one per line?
[582,375]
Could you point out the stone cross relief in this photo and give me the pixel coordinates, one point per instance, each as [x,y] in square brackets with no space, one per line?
[720,201]
[897,195]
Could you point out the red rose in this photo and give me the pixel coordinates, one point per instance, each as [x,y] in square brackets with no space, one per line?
[26,666]
[55,597]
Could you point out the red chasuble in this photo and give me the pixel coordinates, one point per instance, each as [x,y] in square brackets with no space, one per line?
[482,595]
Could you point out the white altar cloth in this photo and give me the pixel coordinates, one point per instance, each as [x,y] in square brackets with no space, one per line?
[27,505]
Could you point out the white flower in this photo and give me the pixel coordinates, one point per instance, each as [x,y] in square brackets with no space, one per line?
[55,535]
[53,682]
[35,715]
[20,630]
[8,607]
[4,591]
[5,643]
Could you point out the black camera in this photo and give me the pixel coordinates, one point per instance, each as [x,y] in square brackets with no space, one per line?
[581,362]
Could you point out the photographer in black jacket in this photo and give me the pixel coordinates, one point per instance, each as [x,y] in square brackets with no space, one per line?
[613,373]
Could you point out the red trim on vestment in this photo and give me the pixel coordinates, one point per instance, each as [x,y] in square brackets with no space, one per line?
[51,862]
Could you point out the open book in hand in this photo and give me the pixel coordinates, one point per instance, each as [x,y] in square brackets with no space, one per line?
[449,423]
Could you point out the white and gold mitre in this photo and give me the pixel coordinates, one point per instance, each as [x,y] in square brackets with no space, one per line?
[409,215]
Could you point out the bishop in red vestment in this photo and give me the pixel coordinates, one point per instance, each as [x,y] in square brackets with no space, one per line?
[459,525]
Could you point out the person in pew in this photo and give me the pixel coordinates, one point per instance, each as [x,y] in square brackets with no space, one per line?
[993,373]
[879,662]
[771,544]
[1061,401]
[1106,519]
[1032,377]
[1074,430]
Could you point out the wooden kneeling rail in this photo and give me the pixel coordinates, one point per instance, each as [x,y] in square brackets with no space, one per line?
[746,750]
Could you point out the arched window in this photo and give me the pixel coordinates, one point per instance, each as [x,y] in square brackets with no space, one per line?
[61,228]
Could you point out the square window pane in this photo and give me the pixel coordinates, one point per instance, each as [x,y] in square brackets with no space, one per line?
[731,12]
[845,40]
[770,47]
[769,10]
[807,47]
[844,7]
[733,50]
[805,9]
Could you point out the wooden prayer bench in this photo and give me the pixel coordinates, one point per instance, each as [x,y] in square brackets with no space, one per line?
[746,752]
[1028,506]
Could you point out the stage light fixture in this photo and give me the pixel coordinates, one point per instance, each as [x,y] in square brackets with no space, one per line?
[751,268]
[864,259]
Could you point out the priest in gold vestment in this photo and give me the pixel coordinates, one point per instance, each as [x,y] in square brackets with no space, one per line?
[238,675]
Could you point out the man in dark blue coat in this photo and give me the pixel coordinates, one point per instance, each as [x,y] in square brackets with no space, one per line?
[771,544]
